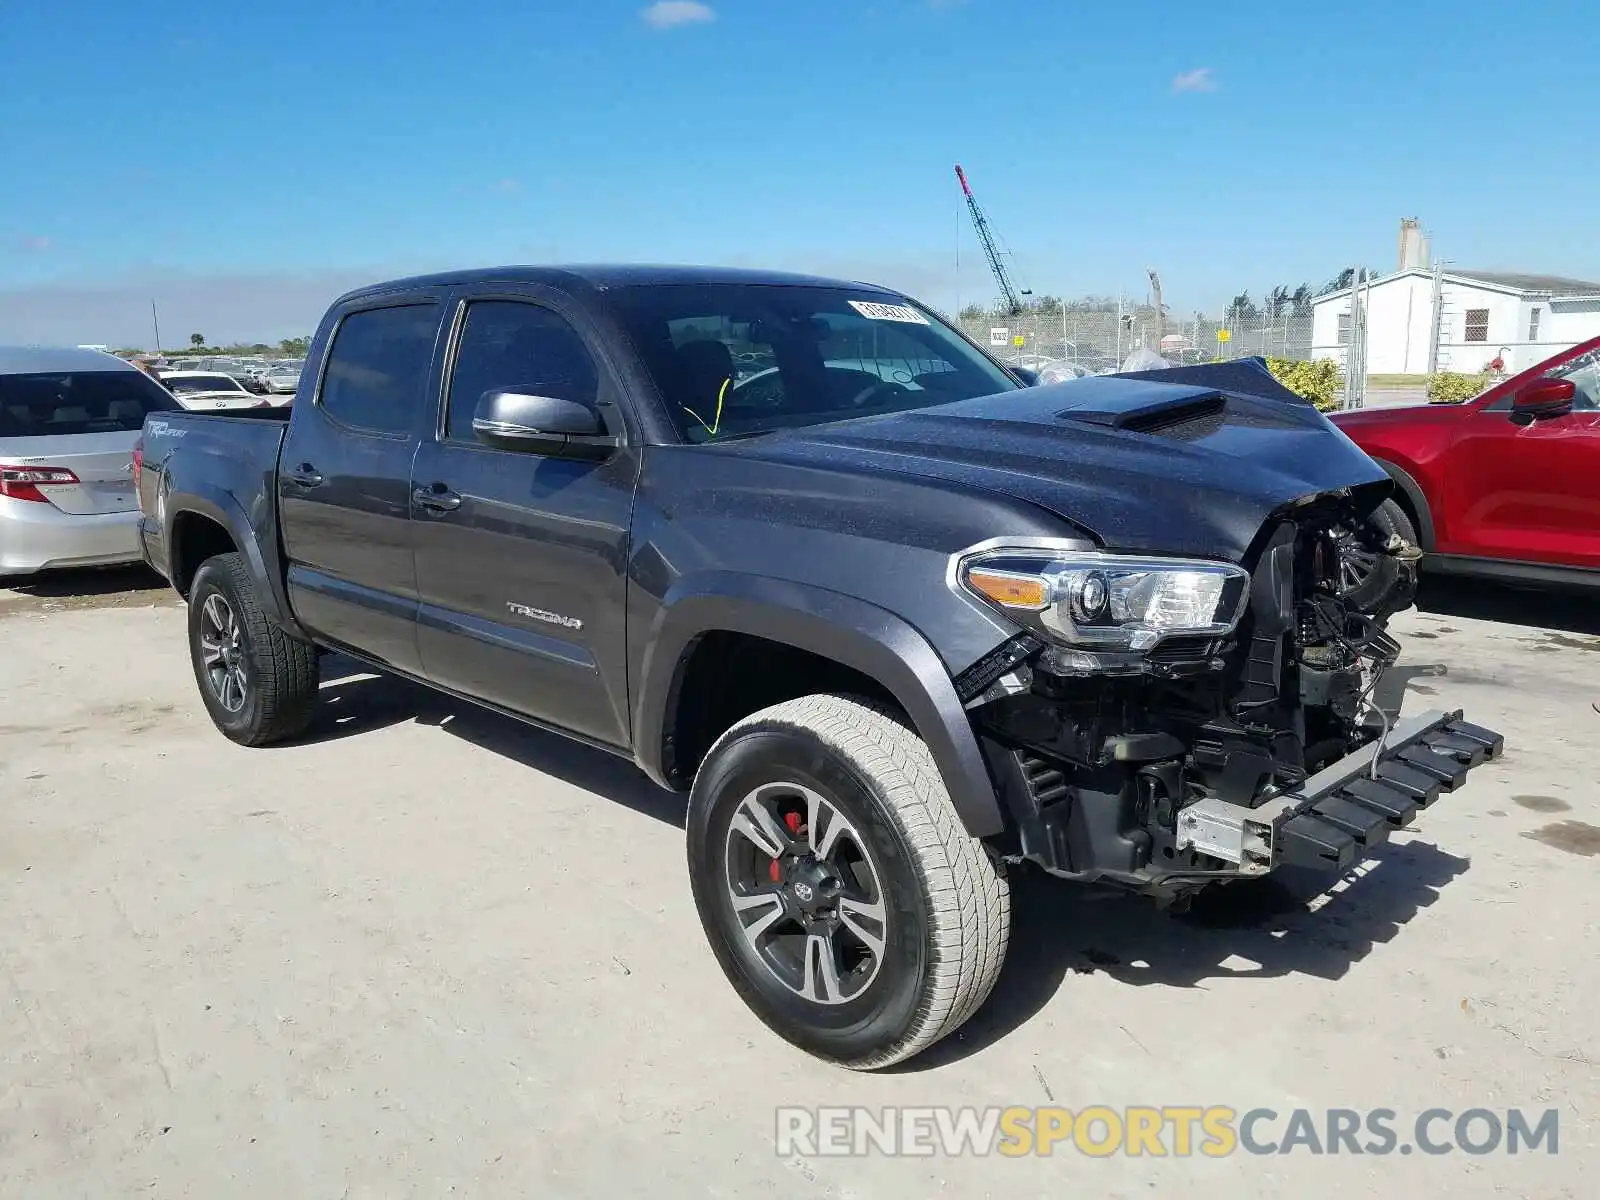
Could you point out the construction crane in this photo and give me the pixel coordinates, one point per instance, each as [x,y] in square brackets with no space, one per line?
[1008,290]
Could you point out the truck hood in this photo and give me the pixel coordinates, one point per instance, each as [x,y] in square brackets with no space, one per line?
[1142,467]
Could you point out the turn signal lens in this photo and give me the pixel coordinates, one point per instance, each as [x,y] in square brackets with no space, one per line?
[1009,590]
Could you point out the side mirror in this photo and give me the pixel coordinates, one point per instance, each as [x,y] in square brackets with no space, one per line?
[1029,377]
[1543,399]
[532,424]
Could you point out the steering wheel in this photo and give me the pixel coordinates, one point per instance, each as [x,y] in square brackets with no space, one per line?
[866,394]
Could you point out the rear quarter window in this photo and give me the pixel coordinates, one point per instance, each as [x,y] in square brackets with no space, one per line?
[46,404]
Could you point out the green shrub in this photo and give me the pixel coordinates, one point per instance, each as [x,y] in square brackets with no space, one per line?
[1319,381]
[1452,387]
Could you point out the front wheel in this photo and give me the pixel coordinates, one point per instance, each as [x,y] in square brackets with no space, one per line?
[838,889]
[1370,579]
[258,683]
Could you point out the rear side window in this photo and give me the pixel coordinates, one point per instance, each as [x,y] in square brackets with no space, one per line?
[40,405]
[378,367]
[520,347]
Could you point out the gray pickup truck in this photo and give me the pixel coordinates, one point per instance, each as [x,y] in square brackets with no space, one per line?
[894,618]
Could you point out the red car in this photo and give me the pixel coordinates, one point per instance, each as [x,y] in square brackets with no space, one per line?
[1506,485]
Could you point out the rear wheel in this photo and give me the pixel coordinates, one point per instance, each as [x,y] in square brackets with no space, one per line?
[258,684]
[838,889]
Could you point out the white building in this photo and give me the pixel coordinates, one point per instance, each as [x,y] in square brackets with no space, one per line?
[1480,315]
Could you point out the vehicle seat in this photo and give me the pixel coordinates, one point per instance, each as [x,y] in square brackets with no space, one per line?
[707,365]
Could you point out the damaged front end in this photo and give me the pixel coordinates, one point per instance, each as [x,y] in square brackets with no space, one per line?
[1162,724]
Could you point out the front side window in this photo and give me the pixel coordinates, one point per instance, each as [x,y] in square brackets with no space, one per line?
[1584,371]
[377,370]
[512,346]
[741,359]
[37,404]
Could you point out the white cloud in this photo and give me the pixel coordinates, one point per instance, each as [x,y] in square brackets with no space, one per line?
[1201,79]
[669,14]
[34,243]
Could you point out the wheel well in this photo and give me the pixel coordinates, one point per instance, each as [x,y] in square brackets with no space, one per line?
[727,676]
[195,538]
[1400,497]
[1408,495]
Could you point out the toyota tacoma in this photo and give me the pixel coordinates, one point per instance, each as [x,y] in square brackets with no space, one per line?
[892,618]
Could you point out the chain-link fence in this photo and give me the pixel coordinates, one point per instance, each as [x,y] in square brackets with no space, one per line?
[1100,338]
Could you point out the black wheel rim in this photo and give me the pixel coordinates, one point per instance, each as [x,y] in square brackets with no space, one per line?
[1357,563]
[805,893]
[222,653]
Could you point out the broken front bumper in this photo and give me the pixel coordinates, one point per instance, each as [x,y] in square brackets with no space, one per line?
[1331,819]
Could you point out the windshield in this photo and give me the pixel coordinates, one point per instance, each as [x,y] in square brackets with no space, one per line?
[202,383]
[737,359]
[37,405]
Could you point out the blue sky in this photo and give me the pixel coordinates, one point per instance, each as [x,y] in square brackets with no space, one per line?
[242,166]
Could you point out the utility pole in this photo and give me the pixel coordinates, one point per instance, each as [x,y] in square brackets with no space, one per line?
[156,322]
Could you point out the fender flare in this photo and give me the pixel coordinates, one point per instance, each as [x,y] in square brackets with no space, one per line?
[224,509]
[1404,482]
[848,631]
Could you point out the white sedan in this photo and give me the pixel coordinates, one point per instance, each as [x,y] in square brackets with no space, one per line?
[205,391]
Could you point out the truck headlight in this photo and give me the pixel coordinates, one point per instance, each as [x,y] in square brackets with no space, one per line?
[1097,602]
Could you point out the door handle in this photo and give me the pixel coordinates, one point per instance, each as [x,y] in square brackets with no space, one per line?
[306,476]
[436,498]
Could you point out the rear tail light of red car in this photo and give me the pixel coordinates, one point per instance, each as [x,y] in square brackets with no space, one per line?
[23,483]
[136,468]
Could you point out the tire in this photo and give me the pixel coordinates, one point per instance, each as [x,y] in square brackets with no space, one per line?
[263,688]
[1372,581]
[945,905]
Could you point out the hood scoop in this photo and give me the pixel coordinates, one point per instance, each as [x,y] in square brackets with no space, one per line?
[1187,416]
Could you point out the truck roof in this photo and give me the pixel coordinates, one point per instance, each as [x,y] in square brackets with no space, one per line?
[28,360]
[601,276]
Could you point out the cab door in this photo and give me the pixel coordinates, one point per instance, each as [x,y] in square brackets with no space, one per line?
[344,478]
[1529,491]
[522,557]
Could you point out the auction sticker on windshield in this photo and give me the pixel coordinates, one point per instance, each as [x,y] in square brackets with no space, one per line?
[888,312]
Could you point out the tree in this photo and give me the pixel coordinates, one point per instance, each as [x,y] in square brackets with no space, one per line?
[295,345]
[1301,299]
[1344,279]
[1242,308]
[973,312]
[197,340]
[1277,301]
[1047,306]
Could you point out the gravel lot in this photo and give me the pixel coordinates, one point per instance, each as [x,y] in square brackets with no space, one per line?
[428,952]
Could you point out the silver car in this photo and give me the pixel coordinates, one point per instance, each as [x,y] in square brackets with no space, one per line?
[281,381]
[68,422]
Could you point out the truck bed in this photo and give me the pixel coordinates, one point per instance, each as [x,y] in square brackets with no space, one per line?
[228,463]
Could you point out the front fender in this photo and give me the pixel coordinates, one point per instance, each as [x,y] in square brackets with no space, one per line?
[835,626]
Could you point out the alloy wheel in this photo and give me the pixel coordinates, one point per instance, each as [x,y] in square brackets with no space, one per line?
[1356,561]
[222,653]
[806,893]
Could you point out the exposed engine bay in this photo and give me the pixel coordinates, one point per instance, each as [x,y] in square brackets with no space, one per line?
[1124,778]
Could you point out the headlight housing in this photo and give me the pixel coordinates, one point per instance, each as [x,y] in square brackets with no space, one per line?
[1108,610]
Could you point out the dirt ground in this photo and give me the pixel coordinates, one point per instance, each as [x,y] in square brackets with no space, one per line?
[427,952]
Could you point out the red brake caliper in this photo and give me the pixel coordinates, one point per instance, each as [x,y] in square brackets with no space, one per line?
[792,820]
